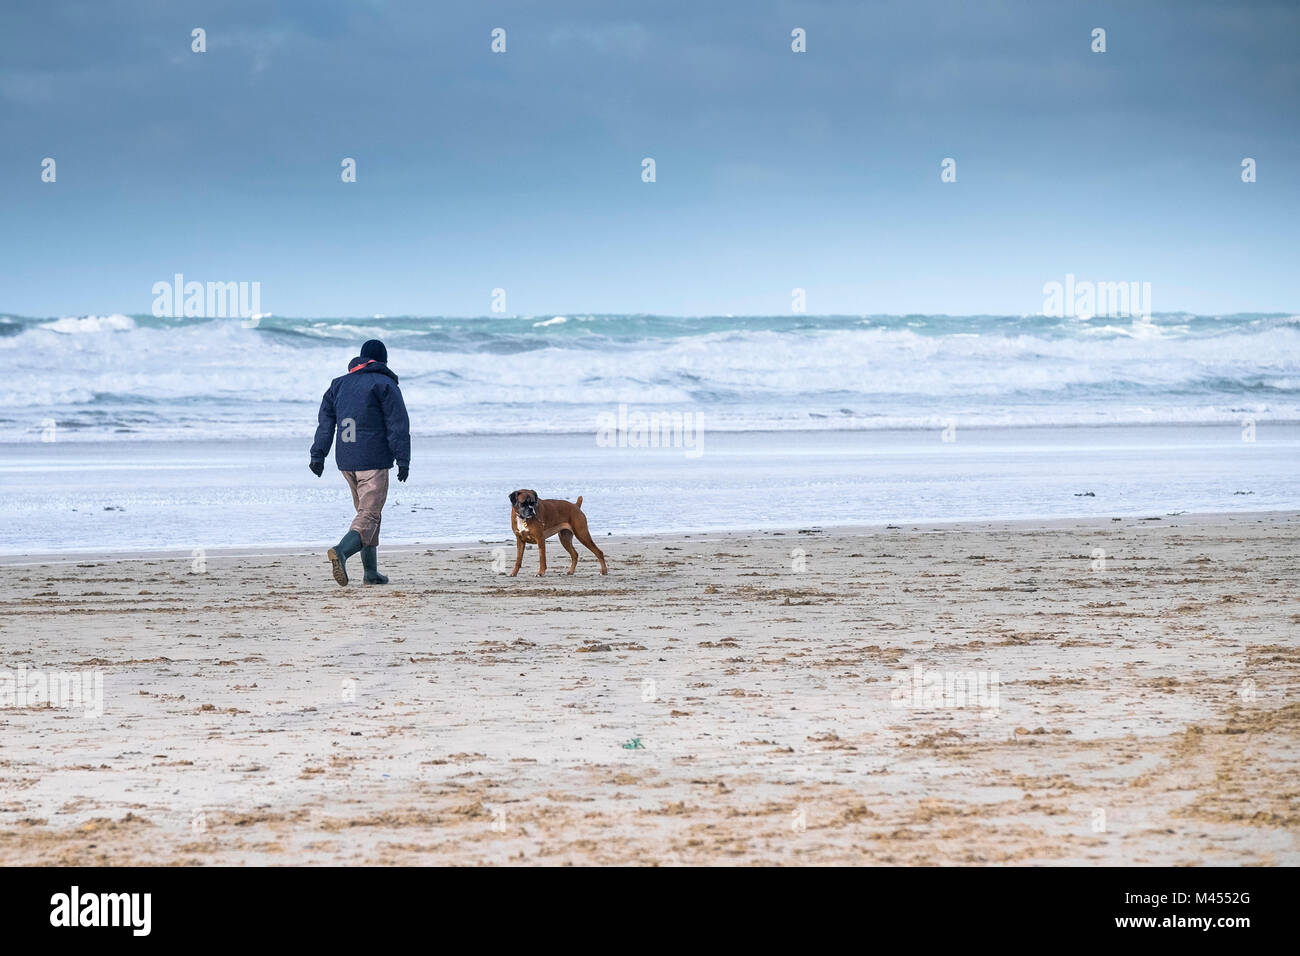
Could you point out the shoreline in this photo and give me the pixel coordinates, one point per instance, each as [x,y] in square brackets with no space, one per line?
[1232,420]
[956,525]
[67,499]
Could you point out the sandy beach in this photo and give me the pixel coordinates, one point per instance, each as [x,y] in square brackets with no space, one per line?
[724,699]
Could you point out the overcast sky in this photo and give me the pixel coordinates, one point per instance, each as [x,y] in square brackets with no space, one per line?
[522,170]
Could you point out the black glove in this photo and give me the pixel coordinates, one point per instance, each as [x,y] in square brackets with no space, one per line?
[317,467]
[403,471]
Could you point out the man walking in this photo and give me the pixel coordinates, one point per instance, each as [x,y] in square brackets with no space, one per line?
[365,406]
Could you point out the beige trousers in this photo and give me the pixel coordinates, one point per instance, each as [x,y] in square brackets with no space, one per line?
[369,492]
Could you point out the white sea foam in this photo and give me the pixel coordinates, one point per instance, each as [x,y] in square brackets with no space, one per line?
[106,376]
[72,325]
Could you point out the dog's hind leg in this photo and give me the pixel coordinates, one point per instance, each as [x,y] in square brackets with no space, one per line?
[566,539]
[585,537]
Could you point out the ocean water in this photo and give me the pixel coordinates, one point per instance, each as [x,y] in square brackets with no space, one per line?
[141,377]
[139,433]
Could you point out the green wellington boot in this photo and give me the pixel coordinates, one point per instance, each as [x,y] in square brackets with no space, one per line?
[370,561]
[338,555]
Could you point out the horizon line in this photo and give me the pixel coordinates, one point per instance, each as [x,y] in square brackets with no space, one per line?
[559,313]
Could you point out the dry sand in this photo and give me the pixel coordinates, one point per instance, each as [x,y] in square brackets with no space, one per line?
[257,713]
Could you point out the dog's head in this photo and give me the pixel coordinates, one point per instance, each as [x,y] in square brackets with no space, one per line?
[524,501]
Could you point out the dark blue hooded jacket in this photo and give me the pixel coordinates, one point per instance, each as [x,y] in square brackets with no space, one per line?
[364,405]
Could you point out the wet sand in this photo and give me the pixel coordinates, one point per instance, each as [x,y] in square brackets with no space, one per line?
[723,699]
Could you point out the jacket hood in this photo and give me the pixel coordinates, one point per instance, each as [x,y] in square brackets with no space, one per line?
[361,366]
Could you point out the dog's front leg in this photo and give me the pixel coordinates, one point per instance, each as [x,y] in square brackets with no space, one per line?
[541,553]
[519,555]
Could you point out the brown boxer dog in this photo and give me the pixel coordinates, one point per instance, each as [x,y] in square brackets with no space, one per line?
[534,520]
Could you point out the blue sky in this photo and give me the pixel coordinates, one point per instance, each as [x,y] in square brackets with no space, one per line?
[523,170]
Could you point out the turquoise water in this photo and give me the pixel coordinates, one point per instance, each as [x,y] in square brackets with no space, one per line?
[139,377]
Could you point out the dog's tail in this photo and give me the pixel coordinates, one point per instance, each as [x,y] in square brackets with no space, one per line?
[579,501]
